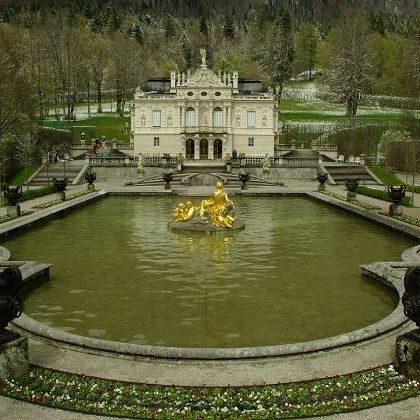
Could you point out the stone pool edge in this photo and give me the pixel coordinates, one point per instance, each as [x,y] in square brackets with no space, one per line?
[374,271]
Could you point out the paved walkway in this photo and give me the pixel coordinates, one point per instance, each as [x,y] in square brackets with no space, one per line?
[273,370]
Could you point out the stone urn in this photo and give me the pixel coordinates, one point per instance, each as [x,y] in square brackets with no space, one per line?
[396,195]
[244,178]
[408,344]
[167,177]
[60,185]
[14,355]
[351,185]
[322,179]
[90,177]
[12,195]
[10,303]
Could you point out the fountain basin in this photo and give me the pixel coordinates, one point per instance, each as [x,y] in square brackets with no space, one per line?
[158,350]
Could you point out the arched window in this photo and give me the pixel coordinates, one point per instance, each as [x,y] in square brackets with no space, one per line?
[190,117]
[217,117]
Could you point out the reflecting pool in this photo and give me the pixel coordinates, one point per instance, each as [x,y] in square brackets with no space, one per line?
[292,275]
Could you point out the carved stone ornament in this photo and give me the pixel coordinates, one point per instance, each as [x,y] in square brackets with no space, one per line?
[204,77]
[411,296]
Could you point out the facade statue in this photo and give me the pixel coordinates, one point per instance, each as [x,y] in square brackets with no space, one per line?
[140,163]
[203,58]
[217,210]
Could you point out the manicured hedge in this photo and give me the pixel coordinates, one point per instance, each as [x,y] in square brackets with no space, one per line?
[380,194]
[38,192]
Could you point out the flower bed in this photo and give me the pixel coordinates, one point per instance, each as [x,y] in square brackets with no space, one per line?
[6,218]
[406,219]
[54,202]
[317,397]
[358,203]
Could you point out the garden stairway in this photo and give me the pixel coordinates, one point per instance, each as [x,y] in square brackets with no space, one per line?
[56,170]
[341,172]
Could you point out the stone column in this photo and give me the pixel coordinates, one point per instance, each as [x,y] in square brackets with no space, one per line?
[196,147]
[211,144]
[182,122]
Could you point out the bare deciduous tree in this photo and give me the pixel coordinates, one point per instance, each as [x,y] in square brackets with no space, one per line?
[351,67]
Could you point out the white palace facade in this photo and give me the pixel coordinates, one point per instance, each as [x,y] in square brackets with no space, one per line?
[203,116]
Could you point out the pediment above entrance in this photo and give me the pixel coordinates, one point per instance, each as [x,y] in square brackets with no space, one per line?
[204,77]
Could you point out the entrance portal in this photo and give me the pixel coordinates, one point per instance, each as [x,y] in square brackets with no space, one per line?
[189,149]
[204,149]
[217,149]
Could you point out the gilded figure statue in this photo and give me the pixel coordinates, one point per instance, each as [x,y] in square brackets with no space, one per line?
[218,210]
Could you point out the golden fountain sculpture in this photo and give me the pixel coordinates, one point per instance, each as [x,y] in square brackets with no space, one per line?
[217,210]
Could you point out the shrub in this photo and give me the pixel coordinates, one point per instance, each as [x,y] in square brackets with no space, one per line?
[380,194]
[38,192]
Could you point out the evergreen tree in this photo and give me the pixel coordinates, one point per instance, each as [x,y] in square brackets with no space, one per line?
[136,32]
[306,49]
[96,24]
[229,27]
[186,50]
[169,27]
[203,28]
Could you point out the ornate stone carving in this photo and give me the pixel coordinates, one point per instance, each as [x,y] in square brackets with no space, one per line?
[204,77]
[411,296]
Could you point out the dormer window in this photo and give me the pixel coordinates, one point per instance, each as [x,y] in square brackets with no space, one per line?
[190,94]
[217,94]
[203,93]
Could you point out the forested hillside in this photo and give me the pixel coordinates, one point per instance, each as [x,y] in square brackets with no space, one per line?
[300,9]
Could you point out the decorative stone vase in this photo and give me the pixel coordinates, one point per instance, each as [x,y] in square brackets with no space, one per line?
[351,185]
[408,344]
[14,356]
[10,303]
[90,177]
[322,179]
[167,177]
[244,178]
[396,195]
[61,185]
[13,195]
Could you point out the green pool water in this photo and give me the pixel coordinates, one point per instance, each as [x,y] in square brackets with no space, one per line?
[292,275]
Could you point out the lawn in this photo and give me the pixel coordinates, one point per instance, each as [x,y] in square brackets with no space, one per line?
[109,125]
[20,177]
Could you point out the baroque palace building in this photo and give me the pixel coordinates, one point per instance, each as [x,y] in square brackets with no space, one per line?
[203,116]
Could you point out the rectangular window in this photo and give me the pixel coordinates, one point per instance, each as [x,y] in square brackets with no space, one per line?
[156,118]
[251,119]
[190,117]
[217,117]
[250,141]
[156,141]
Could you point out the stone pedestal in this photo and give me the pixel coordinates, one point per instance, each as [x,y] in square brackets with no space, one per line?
[229,168]
[91,187]
[408,354]
[244,187]
[61,195]
[321,187]
[13,211]
[167,186]
[395,210]
[14,358]
[351,195]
